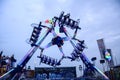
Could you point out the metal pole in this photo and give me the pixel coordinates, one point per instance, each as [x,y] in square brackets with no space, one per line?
[103,67]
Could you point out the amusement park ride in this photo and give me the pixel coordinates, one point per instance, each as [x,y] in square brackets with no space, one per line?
[63,21]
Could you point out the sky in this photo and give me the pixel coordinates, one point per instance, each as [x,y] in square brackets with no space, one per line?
[98,19]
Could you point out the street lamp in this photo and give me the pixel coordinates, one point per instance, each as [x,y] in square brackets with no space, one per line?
[93,59]
[80,68]
[102,62]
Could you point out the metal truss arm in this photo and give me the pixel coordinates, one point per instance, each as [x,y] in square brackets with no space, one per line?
[10,74]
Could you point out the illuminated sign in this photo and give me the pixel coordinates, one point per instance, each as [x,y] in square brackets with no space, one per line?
[55,73]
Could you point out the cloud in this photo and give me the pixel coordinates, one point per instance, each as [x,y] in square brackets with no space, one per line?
[62,1]
[99,19]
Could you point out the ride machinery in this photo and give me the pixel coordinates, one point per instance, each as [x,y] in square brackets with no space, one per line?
[62,23]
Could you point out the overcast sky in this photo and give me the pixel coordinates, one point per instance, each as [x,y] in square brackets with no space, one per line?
[98,19]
